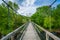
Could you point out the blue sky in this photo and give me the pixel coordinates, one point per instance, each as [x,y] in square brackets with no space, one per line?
[28,7]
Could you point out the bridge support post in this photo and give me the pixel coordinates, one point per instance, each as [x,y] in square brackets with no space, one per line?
[12,37]
[47,36]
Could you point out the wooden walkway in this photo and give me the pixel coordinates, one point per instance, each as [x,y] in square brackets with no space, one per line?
[31,33]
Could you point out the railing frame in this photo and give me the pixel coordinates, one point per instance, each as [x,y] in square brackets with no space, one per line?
[48,34]
[12,34]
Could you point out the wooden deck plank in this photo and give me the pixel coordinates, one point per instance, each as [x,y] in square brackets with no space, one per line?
[31,33]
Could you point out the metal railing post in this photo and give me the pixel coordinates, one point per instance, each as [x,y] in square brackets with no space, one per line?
[47,36]
[12,37]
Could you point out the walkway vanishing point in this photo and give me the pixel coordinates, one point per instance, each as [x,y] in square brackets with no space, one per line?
[31,33]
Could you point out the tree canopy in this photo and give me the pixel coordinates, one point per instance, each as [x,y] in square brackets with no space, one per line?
[9,22]
[47,17]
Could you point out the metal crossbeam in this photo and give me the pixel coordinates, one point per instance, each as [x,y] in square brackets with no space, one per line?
[52,3]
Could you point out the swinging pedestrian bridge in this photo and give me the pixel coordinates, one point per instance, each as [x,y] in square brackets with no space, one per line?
[30,31]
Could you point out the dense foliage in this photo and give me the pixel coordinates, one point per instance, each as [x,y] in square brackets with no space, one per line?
[9,22]
[47,17]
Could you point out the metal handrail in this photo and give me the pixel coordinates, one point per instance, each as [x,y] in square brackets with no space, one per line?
[48,34]
[13,33]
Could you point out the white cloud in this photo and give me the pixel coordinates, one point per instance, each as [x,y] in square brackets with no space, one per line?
[27,8]
[0,1]
[28,2]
